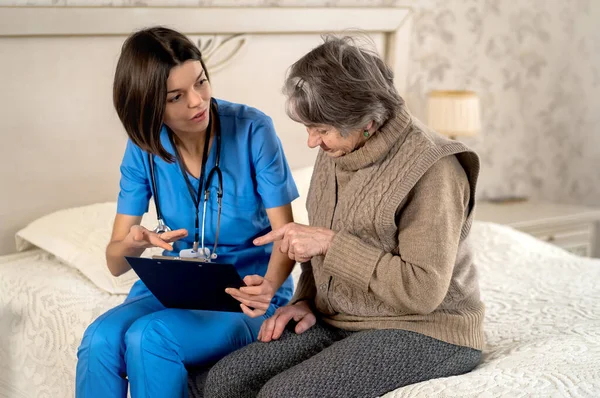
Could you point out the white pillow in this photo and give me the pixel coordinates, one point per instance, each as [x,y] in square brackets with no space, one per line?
[78,237]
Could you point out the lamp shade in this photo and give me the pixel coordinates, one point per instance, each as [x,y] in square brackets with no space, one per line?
[454,113]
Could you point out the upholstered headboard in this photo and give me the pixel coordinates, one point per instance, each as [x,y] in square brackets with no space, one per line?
[61,139]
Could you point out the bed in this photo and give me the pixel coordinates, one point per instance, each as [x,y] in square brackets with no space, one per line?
[543,304]
[542,321]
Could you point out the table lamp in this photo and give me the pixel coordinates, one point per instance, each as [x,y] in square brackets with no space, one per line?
[454,113]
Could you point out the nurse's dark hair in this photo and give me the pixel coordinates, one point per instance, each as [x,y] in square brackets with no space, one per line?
[140,85]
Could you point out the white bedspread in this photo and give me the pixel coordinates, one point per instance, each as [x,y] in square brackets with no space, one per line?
[542,323]
[45,307]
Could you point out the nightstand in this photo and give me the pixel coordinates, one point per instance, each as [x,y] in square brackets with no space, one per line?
[574,228]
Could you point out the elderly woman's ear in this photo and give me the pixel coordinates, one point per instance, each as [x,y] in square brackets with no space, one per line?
[369,130]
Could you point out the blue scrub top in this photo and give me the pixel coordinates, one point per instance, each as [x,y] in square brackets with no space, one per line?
[256,177]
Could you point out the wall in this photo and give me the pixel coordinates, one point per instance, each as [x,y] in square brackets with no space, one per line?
[535,63]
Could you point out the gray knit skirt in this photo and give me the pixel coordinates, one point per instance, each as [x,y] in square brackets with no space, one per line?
[328,362]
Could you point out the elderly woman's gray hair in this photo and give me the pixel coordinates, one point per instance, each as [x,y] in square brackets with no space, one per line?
[343,85]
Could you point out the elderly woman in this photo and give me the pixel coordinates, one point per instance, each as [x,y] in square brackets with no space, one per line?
[388,294]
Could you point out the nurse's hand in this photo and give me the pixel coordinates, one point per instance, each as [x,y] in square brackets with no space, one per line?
[273,327]
[257,294]
[142,238]
[300,242]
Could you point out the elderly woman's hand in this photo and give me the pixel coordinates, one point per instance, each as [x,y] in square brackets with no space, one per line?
[273,327]
[300,242]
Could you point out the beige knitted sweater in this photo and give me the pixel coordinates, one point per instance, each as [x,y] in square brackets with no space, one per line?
[402,207]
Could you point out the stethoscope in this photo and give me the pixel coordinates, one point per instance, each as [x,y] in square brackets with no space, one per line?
[198,249]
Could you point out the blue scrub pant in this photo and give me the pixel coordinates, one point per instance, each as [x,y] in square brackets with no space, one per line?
[151,345]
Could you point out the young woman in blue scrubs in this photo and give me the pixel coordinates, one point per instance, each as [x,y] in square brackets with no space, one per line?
[163,97]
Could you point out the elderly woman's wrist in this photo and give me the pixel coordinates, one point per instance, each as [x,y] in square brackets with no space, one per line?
[308,302]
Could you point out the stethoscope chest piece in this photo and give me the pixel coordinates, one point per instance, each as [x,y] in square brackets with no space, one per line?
[161,227]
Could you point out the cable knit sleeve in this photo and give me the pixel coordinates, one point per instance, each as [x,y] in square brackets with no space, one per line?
[429,224]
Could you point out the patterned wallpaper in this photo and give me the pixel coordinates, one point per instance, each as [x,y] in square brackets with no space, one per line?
[535,64]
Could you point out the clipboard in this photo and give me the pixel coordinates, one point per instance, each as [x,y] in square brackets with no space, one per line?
[189,284]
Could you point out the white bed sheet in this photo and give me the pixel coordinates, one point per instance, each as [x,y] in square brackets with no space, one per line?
[542,323]
[45,307]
